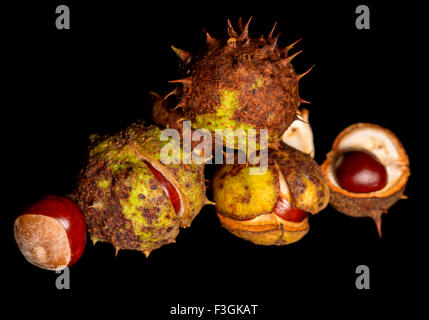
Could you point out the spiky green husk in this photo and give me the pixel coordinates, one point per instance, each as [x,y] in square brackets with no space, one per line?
[124,203]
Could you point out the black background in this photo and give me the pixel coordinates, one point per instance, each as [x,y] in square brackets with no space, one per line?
[66,84]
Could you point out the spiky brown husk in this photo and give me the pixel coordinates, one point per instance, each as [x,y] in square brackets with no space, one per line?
[245,83]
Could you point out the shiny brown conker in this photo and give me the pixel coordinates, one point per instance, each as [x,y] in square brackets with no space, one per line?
[51,233]
[284,210]
[360,172]
[167,186]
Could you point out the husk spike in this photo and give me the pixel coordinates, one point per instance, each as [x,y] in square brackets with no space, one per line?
[185,56]
[245,33]
[184,81]
[230,30]
[270,35]
[300,76]
[288,59]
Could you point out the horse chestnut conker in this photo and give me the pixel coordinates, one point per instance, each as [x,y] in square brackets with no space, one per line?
[51,233]
[360,172]
[284,210]
[168,188]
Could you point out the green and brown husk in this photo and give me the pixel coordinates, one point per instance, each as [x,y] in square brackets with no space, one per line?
[243,83]
[122,200]
[245,202]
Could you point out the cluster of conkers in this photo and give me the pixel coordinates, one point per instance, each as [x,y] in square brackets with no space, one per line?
[126,196]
